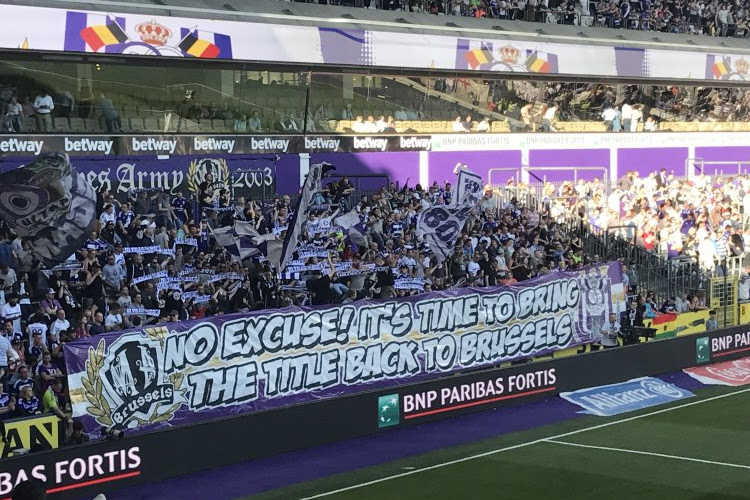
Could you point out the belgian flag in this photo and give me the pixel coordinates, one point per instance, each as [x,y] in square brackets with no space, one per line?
[477,57]
[102,35]
[720,69]
[194,46]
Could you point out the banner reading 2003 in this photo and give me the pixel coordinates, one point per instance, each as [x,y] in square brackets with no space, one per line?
[198,370]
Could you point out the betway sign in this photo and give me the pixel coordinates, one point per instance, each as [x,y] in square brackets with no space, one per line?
[152,145]
[15,145]
[212,144]
[276,145]
[86,145]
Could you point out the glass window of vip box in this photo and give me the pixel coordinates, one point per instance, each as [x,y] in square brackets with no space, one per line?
[119,94]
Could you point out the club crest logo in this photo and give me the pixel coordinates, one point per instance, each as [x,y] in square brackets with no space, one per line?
[199,169]
[123,383]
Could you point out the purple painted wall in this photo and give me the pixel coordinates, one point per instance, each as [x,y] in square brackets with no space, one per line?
[400,167]
[442,164]
[567,158]
[728,154]
[647,160]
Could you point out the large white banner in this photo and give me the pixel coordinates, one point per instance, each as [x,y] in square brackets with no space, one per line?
[155,35]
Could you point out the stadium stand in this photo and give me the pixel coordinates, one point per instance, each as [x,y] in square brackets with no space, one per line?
[694,18]
[395,104]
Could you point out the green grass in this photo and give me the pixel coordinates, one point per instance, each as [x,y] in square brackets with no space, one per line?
[715,430]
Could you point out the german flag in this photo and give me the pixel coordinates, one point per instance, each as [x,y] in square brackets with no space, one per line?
[720,69]
[102,35]
[196,47]
[477,57]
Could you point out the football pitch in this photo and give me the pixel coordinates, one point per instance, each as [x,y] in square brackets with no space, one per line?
[697,448]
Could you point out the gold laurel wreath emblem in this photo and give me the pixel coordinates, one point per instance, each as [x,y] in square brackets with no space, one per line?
[92,386]
[222,174]
[193,176]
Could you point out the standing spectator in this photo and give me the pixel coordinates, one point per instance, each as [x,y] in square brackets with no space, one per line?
[43,107]
[97,327]
[60,324]
[12,116]
[711,323]
[114,321]
[109,113]
[11,311]
[627,115]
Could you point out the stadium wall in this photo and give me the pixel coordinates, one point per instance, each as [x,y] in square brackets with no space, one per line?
[106,465]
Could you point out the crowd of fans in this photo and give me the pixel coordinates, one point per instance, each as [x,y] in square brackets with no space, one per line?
[702,219]
[714,18]
[152,258]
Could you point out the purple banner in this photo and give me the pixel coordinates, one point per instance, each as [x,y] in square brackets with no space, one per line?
[182,373]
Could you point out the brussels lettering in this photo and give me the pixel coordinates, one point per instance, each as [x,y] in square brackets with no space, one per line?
[249,359]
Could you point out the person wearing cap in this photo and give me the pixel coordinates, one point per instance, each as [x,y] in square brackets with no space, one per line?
[49,305]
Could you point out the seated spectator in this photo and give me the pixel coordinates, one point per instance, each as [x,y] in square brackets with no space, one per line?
[254,124]
[27,403]
[347,113]
[358,126]
[468,124]
[458,125]
[240,124]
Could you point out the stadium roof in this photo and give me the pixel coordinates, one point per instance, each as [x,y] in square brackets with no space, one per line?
[273,11]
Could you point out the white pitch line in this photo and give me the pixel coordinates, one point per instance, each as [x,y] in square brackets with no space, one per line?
[649,453]
[521,445]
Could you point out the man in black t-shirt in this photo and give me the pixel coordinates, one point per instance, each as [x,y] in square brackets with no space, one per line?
[320,286]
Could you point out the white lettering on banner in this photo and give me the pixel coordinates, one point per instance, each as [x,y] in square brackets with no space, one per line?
[85,467]
[455,395]
[213,144]
[87,145]
[129,178]
[269,144]
[730,342]
[152,144]
[370,143]
[256,178]
[322,143]
[273,354]
[14,145]
[421,143]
